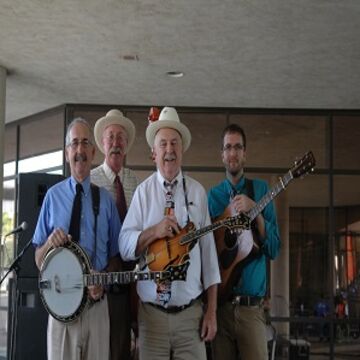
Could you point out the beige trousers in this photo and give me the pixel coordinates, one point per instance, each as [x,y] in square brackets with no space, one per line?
[87,338]
[241,331]
[161,334]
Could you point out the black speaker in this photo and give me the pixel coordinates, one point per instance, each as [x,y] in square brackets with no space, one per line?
[32,188]
[27,321]
[27,318]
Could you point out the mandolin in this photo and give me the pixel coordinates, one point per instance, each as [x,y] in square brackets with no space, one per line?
[172,254]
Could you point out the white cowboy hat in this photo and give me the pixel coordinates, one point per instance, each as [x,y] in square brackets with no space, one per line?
[114,117]
[168,119]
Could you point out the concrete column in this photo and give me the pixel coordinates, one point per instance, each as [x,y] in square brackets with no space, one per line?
[279,289]
[2,130]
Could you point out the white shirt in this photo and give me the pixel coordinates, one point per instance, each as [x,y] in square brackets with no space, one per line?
[147,209]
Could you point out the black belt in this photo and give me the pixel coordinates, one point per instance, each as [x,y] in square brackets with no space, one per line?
[171,309]
[247,300]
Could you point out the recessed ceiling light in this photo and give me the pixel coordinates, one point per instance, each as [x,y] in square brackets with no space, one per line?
[175,74]
[130,57]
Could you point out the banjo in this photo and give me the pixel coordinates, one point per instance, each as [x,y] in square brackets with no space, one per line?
[65,275]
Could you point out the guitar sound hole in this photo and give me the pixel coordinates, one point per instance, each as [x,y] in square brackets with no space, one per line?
[230,239]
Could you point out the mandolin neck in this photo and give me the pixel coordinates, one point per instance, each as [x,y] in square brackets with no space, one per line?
[194,235]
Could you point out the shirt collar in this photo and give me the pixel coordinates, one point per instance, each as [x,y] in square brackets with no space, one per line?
[110,174]
[161,179]
[238,187]
[85,184]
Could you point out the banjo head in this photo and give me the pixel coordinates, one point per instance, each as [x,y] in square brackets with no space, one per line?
[61,282]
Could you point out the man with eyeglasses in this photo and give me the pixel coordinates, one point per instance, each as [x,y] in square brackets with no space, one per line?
[68,214]
[114,135]
[241,318]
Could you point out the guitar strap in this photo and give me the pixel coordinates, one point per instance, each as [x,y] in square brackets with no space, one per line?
[95,196]
[249,184]
[237,272]
[254,229]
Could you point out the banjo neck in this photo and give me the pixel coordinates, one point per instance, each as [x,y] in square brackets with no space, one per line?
[123,277]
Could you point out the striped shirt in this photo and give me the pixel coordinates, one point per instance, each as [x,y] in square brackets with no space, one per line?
[103,176]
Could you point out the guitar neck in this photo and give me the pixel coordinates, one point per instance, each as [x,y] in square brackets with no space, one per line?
[270,195]
[123,277]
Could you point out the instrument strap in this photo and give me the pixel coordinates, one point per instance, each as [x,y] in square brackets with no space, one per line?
[95,196]
[249,184]
[186,199]
[250,192]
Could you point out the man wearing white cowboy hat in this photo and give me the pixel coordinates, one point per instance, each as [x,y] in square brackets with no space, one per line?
[114,134]
[171,318]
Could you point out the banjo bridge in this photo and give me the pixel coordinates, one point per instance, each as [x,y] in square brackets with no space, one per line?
[45,284]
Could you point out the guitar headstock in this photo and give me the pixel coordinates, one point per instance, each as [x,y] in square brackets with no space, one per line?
[239,222]
[304,165]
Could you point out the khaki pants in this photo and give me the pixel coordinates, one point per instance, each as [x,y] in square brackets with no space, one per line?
[87,338]
[161,334]
[241,331]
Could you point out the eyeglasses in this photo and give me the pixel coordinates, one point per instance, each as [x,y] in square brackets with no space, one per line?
[76,142]
[112,137]
[237,147]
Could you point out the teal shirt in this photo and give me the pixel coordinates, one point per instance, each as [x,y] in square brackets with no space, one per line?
[253,279]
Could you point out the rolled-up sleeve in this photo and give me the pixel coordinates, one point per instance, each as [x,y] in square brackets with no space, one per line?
[210,266]
[42,230]
[131,229]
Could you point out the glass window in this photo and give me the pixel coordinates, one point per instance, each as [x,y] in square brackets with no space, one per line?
[41,162]
[9,169]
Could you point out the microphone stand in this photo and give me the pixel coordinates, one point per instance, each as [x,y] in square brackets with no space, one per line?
[15,264]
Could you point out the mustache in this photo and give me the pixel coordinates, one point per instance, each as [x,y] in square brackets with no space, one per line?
[117,150]
[80,157]
[169,157]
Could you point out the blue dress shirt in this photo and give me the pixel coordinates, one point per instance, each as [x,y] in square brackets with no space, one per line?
[56,213]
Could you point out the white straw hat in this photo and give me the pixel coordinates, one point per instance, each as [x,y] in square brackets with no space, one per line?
[168,119]
[114,117]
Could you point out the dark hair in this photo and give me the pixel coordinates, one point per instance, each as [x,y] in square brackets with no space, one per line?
[233,129]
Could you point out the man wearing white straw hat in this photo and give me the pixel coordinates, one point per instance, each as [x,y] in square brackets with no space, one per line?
[171,317]
[114,134]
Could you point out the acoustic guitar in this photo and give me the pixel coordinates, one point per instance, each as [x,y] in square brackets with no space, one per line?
[235,249]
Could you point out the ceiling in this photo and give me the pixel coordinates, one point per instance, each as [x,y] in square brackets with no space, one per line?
[240,53]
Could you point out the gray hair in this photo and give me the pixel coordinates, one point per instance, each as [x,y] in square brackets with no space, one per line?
[76,121]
